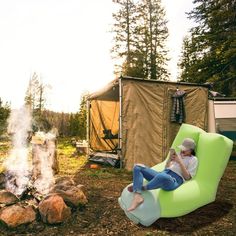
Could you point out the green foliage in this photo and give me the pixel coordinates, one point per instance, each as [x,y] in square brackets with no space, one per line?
[140,34]
[78,121]
[4,114]
[209,53]
[41,123]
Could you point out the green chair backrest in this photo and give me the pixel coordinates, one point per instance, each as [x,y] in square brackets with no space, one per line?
[213,153]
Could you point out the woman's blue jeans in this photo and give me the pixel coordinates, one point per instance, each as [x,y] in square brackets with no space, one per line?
[167,179]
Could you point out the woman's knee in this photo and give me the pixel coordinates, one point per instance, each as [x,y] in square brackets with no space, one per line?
[162,180]
[137,167]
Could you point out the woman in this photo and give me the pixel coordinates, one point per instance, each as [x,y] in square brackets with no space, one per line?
[179,168]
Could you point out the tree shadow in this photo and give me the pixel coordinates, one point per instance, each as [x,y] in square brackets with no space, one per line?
[195,220]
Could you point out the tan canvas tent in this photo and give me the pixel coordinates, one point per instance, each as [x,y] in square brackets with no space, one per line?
[131,116]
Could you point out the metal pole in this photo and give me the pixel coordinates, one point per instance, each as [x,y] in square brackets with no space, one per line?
[88,126]
[120,124]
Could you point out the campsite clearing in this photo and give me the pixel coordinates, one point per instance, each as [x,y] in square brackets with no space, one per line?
[103,216]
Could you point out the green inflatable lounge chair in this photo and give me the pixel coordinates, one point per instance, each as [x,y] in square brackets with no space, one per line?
[213,152]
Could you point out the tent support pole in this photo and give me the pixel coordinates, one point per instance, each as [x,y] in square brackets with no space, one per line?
[87,126]
[120,125]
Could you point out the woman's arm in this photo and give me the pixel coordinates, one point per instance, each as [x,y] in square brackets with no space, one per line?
[185,172]
[168,162]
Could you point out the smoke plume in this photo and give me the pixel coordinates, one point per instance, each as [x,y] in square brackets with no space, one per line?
[16,165]
[20,172]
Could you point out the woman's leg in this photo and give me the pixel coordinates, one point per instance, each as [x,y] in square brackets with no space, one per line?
[139,173]
[162,180]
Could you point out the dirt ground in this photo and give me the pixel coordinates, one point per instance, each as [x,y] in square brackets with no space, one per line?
[103,216]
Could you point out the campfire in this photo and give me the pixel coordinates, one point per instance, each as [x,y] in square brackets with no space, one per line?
[27,183]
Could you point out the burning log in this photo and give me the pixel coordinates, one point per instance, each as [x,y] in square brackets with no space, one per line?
[31,191]
[15,183]
[44,153]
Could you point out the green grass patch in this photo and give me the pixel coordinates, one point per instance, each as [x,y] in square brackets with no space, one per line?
[69,162]
[4,149]
[70,165]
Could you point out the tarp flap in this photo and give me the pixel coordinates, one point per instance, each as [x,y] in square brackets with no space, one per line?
[147,132]
[104,125]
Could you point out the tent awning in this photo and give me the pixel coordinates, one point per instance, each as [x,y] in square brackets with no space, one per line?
[109,93]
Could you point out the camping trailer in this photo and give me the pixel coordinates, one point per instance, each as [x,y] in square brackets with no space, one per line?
[222,117]
[130,118]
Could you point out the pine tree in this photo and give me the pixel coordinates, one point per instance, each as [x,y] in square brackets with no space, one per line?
[35,96]
[4,114]
[35,99]
[77,121]
[140,35]
[212,45]
[154,34]
[32,92]
[123,29]
[83,116]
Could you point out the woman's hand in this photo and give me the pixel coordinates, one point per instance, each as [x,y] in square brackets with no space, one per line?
[176,158]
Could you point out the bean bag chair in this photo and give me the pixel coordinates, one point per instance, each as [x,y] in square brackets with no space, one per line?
[213,152]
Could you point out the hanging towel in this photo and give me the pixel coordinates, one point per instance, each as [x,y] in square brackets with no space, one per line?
[178,109]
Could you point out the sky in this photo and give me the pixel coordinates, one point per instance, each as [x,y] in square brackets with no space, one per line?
[67,43]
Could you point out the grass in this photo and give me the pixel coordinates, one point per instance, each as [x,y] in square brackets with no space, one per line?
[4,148]
[69,165]
[69,161]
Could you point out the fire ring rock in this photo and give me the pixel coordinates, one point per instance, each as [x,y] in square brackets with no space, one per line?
[72,195]
[7,198]
[15,215]
[53,210]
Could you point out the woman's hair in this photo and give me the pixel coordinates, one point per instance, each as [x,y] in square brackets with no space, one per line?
[193,152]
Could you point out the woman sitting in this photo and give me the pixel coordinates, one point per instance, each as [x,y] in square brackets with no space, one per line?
[179,168]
